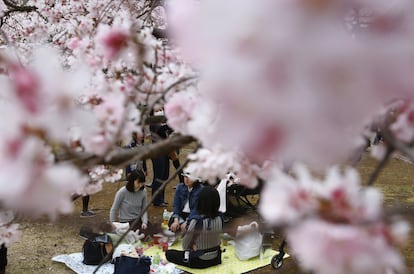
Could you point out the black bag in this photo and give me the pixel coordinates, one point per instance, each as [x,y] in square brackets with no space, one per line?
[130,265]
[95,249]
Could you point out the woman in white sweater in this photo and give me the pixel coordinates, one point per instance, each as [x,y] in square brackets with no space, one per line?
[130,201]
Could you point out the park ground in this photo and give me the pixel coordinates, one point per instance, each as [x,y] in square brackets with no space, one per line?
[42,239]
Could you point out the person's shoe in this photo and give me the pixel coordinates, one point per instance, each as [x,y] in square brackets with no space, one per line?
[87,214]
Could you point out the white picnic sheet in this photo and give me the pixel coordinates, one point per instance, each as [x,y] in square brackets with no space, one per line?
[74,262]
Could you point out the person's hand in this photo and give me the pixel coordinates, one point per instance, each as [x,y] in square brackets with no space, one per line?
[183,227]
[144,226]
[173,156]
[175,226]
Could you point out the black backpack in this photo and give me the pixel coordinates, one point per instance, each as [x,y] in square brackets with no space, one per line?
[95,249]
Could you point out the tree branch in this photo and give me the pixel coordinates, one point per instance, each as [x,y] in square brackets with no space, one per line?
[13,8]
[160,33]
[121,157]
[390,143]
[380,166]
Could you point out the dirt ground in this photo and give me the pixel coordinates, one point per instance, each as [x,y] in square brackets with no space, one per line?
[43,239]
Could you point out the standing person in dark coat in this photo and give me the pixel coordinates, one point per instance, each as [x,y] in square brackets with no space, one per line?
[141,164]
[160,165]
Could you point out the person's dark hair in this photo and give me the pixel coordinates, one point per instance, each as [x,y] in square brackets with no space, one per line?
[132,176]
[197,183]
[208,202]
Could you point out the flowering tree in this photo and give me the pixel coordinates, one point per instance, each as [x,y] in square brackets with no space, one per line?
[74,75]
[264,86]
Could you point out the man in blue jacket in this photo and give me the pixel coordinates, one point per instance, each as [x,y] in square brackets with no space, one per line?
[185,203]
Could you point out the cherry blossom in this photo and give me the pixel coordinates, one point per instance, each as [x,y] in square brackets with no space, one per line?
[275,90]
[179,110]
[8,231]
[33,184]
[344,248]
[295,199]
[101,174]
[114,42]
[403,128]
[210,165]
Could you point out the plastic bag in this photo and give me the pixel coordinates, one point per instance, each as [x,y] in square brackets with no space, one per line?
[248,241]
[120,228]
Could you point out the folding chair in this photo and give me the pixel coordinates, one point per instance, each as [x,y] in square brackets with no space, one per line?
[244,195]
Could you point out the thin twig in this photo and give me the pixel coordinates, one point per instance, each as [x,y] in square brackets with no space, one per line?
[164,92]
[390,146]
[380,166]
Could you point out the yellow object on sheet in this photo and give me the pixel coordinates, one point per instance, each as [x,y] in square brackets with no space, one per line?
[230,264]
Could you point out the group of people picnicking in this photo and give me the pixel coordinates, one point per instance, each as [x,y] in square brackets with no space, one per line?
[195,211]
[195,206]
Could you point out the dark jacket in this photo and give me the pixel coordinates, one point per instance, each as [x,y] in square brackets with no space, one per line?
[141,164]
[180,198]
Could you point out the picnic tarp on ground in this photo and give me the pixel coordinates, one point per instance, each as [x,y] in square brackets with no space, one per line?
[230,263]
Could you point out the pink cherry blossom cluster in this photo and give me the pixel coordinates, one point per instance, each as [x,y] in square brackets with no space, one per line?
[210,165]
[325,247]
[337,198]
[101,174]
[334,225]
[278,73]
[8,231]
[42,111]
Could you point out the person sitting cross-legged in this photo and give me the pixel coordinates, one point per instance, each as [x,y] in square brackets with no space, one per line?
[201,242]
[185,203]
